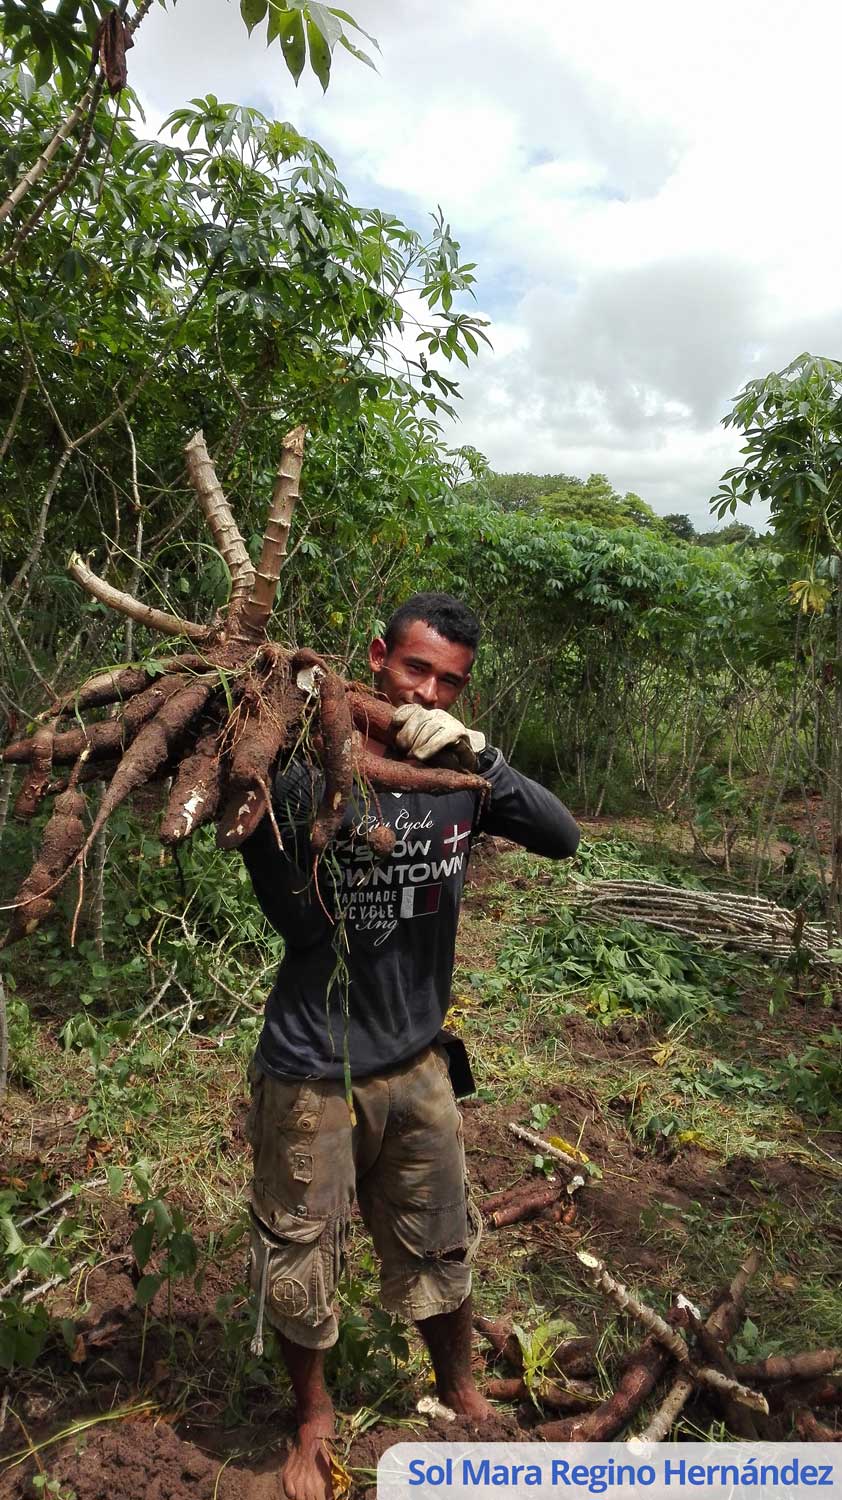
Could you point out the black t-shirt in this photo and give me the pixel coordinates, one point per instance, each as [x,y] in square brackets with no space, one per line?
[370,942]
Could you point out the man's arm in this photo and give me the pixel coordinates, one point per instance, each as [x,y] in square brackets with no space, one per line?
[521,810]
[281,879]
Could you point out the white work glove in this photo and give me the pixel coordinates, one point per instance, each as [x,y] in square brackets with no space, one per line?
[424,732]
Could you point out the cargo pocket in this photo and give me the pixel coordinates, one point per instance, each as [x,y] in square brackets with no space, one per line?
[433,1234]
[287,1271]
[277,1109]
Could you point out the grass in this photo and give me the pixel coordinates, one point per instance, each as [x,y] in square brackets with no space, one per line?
[705,1091]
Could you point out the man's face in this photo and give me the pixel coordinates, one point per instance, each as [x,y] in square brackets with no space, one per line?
[422,668]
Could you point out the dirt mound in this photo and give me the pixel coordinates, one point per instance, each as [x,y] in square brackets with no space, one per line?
[131,1460]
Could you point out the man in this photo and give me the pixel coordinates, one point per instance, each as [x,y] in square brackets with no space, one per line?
[363,990]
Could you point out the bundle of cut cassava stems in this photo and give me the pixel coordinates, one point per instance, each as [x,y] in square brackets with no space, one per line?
[678,1358]
[720,919]
[212,719]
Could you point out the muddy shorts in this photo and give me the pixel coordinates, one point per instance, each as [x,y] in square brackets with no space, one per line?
[404,1162]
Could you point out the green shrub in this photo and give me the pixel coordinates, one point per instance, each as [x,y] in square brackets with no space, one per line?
[621,969]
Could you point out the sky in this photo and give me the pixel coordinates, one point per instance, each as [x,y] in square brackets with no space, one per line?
[649,192]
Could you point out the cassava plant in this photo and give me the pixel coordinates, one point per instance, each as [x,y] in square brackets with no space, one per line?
[211,720]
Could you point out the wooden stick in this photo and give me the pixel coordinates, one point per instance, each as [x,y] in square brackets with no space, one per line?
[669,1337]
[144,614]
[256,609]
[546,1149]
[220,518]
[723,1322]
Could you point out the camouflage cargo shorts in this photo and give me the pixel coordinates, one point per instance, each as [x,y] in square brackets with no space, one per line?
[404,1162]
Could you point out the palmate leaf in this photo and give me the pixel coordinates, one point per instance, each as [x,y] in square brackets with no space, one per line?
[349,21]
[357,52]
[307,26]
[326,21]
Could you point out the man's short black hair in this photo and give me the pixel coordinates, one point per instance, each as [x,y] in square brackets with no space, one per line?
[449,617]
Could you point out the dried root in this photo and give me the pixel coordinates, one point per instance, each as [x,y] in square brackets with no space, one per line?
[267,717]
[122,683]
[640,1376]
[810,1430]
[151,748]
[577,1395]
[404,776]
[805,1366]
[90,770]
[108,738]
[382,839]
[338,760]
[503,1341]
[525,1207]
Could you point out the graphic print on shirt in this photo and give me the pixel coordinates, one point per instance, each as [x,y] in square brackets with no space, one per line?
[409,884]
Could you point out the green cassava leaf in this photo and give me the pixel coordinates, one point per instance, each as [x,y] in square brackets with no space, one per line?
[319,54]
[253,12]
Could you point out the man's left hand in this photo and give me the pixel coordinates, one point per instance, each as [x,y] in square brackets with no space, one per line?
[424,732]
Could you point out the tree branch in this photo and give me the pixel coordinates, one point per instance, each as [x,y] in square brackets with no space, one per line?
[39,167]
[9,434]
[66,180]
[66,128]
[34,552]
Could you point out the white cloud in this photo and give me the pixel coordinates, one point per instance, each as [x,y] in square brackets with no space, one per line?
[648,191]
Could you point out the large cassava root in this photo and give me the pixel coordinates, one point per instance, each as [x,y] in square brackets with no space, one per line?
[194,798]
[270,708]
[63,839]
[215,718]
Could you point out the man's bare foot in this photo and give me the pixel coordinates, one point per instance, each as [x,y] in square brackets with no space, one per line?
[306,1473]
[466,1401]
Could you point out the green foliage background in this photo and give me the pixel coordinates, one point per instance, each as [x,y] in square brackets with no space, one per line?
[221,277]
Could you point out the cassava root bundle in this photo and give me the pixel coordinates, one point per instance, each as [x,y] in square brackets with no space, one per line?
[212,719]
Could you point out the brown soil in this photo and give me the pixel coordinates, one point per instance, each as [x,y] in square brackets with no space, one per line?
[634,1179]
[184,1374]
[136,1457]
[134,1460]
